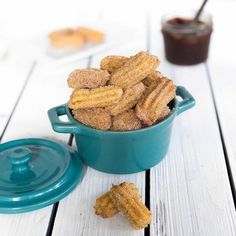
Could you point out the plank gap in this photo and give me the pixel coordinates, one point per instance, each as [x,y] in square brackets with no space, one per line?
[147,174]
[228,167]
[18,98]
[55,205]
[147,198]
[52,219]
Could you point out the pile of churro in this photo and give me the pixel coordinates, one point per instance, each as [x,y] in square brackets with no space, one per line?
[126,93]
[124,198]
[75,38]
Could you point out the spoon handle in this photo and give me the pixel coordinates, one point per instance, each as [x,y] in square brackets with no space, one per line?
[195,19]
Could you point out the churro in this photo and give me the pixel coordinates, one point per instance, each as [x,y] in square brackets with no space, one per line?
[90,34]
[164,113]
[153,77]
[134,70]
[87,78]
[66,38]
[104,206]
[129,99]
[112,63]
[149,108]
[132,207]
[97,97]
[97,118]
[126,121]
[128,88]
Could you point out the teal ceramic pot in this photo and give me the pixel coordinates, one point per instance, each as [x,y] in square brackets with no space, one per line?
[122,152]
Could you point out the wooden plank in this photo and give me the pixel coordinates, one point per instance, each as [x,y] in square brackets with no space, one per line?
[190,189]
[46,89]
[13,72]
[75,215]
[222,72]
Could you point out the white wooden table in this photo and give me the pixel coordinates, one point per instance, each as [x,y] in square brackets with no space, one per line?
[192,191]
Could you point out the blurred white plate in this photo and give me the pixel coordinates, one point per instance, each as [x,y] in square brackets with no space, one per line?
[3,47]
[46,53]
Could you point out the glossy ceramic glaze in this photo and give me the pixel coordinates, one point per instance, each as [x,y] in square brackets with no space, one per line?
[122,152]
[26,181]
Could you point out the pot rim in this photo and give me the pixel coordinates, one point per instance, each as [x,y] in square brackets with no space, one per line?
[168,119]
[75,127]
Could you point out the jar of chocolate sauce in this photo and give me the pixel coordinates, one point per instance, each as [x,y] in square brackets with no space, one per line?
[186,43]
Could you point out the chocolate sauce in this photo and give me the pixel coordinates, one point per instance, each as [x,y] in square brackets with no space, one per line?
[186,43]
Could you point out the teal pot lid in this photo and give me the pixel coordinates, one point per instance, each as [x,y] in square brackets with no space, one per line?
[35,173]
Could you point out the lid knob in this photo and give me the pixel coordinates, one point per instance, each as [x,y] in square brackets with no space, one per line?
[19,158]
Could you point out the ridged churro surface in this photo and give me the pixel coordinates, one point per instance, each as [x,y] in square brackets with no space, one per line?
[134,70]
[97,118]
[87,78]
[128,100]
[97,97]
[132,207]
[129,88]
[153,77]
[104,206]
[164,113]
[149,109]
[126,121]
[112,63]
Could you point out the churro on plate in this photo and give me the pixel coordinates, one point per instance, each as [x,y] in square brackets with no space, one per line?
[66,38]
[90,35]
[75,37]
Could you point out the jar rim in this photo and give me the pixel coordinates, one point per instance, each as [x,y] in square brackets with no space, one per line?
[205,17]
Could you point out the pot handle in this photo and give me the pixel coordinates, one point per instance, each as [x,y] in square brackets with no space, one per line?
[58,125]
[187,102]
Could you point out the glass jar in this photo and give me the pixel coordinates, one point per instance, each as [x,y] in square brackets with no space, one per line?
[186,43]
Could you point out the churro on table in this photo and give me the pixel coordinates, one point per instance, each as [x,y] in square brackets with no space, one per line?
[126,93]
[124,198]
[104,205]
